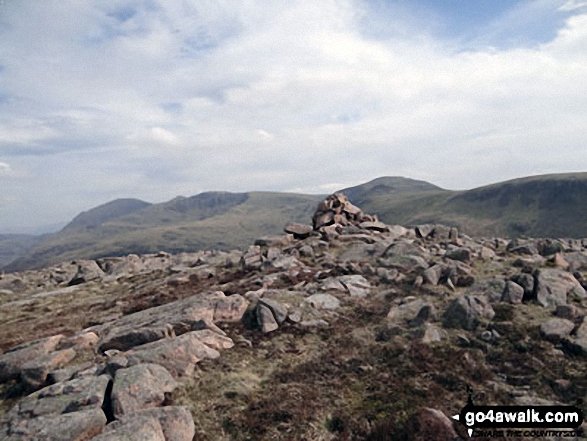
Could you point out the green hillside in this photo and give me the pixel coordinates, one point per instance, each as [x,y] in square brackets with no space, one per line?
[539,206]
[206,221]
[14,245]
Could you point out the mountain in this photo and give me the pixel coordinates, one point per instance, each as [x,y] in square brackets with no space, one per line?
[104,213]
[213,220]
[539,206]
[14,245]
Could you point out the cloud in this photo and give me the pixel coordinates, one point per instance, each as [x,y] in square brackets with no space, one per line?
[573,5]
[156,98]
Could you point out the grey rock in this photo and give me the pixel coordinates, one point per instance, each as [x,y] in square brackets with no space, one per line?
[176,422]
[466,312]
[138,428]
[460,254]
[12,361]
[490,289]
[178,355]
[34,373]
[556,329]
[513,293]
[139,387]
[554,286]
[356,285]
[300,231]
[278,310]
[266,319]
[323,301]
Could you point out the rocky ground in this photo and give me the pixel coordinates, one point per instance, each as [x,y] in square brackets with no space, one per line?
[346,329]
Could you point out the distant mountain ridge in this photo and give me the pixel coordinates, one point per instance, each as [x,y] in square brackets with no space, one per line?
[539,206]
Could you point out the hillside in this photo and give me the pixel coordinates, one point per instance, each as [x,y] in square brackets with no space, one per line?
[361,331]
[539,206]
[104,213]
[14,245]
[212,220]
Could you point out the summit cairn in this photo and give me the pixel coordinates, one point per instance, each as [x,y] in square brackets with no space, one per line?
[337,209]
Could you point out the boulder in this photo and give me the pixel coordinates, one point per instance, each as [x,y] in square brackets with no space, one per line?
[466,312]
[554,286]
[323,301]
[489,289]
[278,310]
[460,254]
[176,422]
[266,319]
[12,361]
[299,231]
[34,373]
[513,293]
[433,274]
[139,387]
[252,259]
[178,355]
[87,271]
[137,428]
[556,329]
[356,285]
[69,396]
[73,426]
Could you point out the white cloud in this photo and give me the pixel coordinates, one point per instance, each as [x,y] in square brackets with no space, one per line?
[573,5]
[337,105]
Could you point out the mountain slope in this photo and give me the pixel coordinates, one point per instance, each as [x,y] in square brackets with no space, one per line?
[14,245]
[207,221]
[539,206]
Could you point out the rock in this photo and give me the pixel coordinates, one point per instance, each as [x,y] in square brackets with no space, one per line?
[70,396]
[72,426]
[466,312]
[323,301]
[524,248]
[252,259]
[433,274]
[356,285]
[178,355]
[336,208]
[513,293]
[274,241]
[559,261]
[306,251]
[266,319]
[229,309]
[406,311]
[123,339]
[139,387]
[176,422]
[375,226]
[430,425]
[430,333]
[83,340]
[34,373]
[137,428]
[299,231]
[423,231]
[460,254]
[319,323]
[278,310]
[12,361]
[569,312]
[87,271]
[526,281]
[213,339]
[556,329]
[554,286]
[490,289]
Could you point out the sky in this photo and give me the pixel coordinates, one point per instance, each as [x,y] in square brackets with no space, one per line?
[150,99]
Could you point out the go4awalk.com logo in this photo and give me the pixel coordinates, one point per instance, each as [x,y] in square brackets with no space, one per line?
[520,421]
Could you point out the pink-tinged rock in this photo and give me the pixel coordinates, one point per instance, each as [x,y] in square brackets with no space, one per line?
[213,339]
[176,422]
[230,309]
[11,362]
[139,428]
[140,387]
[556,329]
[178,355]
[34,373]
[81,341]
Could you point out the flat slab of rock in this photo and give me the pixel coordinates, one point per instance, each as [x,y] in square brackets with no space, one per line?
[356,285]
[300,231]
[12,362]
[139,428]
[176,422]
[140,387]
[73,395]
[323,301]
[74,426]
[34,373]
[178,355]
